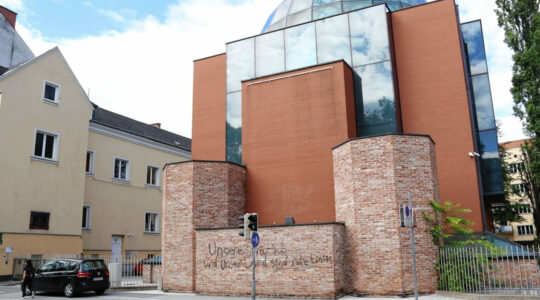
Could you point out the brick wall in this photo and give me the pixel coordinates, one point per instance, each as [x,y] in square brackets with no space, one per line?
[299,261]
[517,272]
[371,254]
[196,194]
[372,177]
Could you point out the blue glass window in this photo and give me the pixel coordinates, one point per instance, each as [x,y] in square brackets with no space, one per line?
[299,17]
[352,4]
[490,163]
[333,40]
[282,10]
[234,153]
[482,102]
[323,2]
[472,35]
[369,35]
[240,63]
[299,5]
[234,126]
[392,5]
[300,46]
[327,10]
[270,57]
[376,110]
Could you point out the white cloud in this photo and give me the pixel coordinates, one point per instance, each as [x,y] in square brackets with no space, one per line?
[14,5]
[511,128]
[145,72]
[115,16]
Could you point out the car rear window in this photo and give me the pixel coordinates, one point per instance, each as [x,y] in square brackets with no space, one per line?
[91,265]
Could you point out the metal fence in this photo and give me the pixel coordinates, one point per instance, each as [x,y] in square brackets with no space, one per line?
[124,272]
[512,270]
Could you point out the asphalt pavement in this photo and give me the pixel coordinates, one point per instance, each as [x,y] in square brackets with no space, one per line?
[13,291]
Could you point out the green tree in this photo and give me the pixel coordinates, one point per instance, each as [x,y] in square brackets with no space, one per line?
[520,20]
[445,220]
[460,265]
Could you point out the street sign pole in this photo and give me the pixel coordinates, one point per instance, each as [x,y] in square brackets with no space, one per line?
[413,251]
[253,271]
[254,244]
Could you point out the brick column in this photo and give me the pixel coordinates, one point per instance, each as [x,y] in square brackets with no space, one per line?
[372,176]
[196,194]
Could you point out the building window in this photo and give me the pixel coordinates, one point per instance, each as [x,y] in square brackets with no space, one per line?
[86,217]
[516,167]
[45,145]
[121,169]
[51,92]
[151,222]
[518,188]
[89,169]
[525,230]
[525,209]
[94,256]
[152,174]
[39,220]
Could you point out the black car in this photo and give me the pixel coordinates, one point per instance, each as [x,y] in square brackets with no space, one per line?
[72,276]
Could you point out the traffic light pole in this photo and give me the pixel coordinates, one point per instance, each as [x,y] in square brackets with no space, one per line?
[253,271]
[413,248]
[250,223]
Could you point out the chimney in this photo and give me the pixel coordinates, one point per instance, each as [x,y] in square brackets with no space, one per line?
[10,16]
[157,125]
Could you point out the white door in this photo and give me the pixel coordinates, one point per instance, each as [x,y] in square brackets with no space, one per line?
[116,249]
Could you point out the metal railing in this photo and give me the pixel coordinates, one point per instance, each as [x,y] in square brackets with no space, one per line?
[510,270]
[124,272]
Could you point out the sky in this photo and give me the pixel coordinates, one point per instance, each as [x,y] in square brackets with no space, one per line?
[135,57]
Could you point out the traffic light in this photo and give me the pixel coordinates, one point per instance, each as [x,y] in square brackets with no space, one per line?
[244,225]
[253,222]
[250,222]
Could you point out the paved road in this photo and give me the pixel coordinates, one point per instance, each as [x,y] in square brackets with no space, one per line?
[13,292]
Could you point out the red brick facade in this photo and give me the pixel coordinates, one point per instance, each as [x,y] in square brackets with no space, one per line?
[298,261]
[196,194]
[368,253]
[373,176]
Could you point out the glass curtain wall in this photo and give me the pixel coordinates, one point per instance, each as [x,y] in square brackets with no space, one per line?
[294,12]
[359,37]
[483,106]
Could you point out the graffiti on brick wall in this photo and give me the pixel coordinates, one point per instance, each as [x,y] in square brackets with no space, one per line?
[238,257]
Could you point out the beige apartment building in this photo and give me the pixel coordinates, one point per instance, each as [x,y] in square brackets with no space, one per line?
[122,201]
[523,231]
[44,117]
[74,178]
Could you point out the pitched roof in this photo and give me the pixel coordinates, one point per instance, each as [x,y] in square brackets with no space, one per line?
[513,144]
[113,120]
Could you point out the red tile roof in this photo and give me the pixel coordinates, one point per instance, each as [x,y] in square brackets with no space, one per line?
[513,144]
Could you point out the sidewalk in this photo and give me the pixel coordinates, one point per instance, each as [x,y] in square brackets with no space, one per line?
[182,296]
[9,282]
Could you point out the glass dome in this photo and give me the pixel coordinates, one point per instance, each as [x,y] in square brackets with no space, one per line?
[292,12]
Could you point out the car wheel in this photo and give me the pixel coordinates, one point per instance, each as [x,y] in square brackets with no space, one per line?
[69,290]
[99,292]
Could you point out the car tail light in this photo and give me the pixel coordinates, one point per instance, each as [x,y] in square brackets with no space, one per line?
[107,272]
[83,275]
